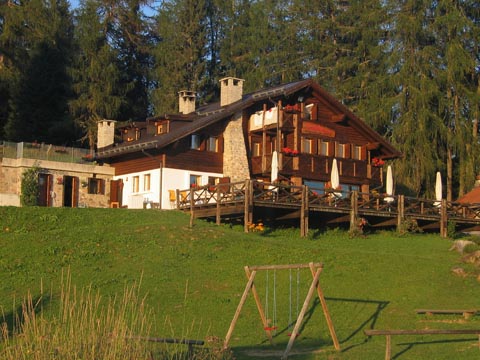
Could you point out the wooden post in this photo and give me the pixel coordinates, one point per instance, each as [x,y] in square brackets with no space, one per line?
[303,229]
[239,308]
[259,306]
[388,347]
[326,313]
[443,219]
[264,141]
[401,211]
[353,210]
[248,208]
[301,315]
[192,212]
[307,210]
[218,214]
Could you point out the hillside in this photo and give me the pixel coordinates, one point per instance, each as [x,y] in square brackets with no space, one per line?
[193,279]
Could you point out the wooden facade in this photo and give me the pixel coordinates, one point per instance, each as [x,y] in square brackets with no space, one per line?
[304,124]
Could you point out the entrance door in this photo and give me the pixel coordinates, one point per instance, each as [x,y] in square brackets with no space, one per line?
[70,191]
[45,189]
[116,192]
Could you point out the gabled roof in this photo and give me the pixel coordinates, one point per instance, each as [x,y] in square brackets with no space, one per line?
[212,113]
[472,197]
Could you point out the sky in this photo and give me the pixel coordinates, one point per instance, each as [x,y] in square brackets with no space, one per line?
[148,10]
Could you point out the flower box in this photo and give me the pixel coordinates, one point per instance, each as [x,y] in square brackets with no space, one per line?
[290,152]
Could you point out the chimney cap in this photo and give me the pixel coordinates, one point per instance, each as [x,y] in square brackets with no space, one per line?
[235,79]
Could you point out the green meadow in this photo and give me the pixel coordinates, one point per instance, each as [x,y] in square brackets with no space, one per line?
[189,281]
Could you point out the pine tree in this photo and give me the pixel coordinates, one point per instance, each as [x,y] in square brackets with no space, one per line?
[180,53]
[37,40]
[96,73]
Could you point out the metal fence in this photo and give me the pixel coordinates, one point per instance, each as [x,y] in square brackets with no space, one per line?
[41,151]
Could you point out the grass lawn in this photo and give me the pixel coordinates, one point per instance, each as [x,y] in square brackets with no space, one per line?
[193,279]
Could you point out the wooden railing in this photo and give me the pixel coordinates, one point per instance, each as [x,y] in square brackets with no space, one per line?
[355,203]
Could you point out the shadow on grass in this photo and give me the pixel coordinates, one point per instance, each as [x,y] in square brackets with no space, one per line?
[367,323]
[410,345]
[14,319]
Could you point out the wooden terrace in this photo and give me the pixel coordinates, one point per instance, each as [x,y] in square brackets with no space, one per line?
[300,202]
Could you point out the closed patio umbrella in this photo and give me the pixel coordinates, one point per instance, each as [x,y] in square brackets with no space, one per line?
[274,171]
[335,178]
[389,185]
[438,190]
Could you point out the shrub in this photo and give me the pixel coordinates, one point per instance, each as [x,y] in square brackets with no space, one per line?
[409,226]
[471,248]
[29,187]
[451,229]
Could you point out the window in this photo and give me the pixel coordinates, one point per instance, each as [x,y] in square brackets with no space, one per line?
[256,149]
[96,186]
[195,180]
[136,184]
[196,141]
[162,128]
[307,146]
[356,152]
[212,144]
[323,147]
[340,150]
[146,182]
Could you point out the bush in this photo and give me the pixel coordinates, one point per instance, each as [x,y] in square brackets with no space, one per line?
[471,248]
[451,229]
[29,187]
[409,226]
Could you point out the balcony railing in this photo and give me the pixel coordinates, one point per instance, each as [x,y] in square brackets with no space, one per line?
[318,167]
[40,151]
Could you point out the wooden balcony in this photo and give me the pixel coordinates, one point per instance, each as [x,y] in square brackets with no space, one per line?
[317,167]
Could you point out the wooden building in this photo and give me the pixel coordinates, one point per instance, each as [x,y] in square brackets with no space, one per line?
[237,138]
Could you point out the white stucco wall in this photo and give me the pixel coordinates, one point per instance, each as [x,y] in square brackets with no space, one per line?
[172,179]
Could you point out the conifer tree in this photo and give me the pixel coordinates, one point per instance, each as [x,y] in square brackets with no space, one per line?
[37,41]
[96,73]
[180,53]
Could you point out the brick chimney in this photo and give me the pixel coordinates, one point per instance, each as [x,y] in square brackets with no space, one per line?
[231,90]
[186,101]
[105,133]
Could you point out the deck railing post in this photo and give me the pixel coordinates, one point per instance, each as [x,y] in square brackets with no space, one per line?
[400,211]
[353,210]
[443,219]
[248,205]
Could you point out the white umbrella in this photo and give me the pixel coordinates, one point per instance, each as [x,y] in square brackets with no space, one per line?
[335,178]
[274,173]
[438,190]
[389,185]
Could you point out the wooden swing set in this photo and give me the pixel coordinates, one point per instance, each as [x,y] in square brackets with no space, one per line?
[251,272]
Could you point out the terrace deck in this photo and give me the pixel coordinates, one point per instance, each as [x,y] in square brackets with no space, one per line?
[380,210]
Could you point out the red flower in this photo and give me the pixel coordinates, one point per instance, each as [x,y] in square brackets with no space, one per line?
[377,162]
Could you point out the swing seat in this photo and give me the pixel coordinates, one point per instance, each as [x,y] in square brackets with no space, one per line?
[270,328]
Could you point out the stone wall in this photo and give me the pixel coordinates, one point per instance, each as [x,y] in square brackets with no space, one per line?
[235,161]
[11,171]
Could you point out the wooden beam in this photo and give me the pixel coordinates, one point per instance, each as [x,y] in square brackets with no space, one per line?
[248,287]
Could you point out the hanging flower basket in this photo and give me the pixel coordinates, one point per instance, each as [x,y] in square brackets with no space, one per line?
[377,162]
[290,152]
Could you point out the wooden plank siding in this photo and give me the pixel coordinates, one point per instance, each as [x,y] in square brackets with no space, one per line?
[313,166]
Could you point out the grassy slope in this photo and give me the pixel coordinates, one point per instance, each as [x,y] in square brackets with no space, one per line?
[194,278]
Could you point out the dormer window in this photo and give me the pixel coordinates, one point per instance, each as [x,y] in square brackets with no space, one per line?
[212,144]
[196,142]
[162,128]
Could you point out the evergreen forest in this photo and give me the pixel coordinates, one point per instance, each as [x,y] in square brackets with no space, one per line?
[409,68]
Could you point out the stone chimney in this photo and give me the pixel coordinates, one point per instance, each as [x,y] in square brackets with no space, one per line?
[105,133]
[231,90]
[186,101]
